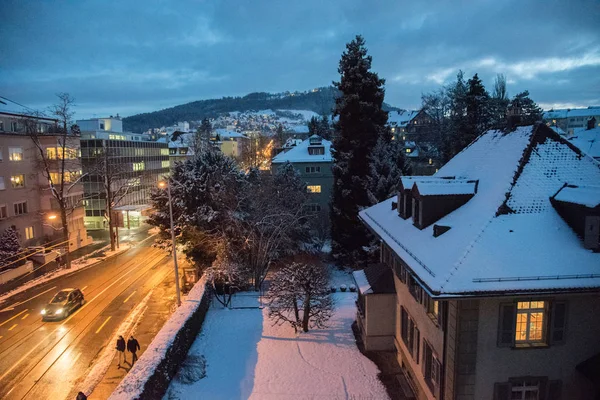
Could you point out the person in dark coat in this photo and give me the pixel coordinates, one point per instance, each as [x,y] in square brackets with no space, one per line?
[81,396]
[121,349]
[133,346]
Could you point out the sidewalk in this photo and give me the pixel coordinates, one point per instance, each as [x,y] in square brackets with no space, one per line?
[101,239]
[159,309]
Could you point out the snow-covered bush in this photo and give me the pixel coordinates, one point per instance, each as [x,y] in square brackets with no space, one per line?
[343,288]
[352,288]
[333,289]
[192,370]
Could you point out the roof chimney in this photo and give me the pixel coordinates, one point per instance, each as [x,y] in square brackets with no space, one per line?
[591,123]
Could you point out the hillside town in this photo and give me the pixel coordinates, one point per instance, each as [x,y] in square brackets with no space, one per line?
[327,243]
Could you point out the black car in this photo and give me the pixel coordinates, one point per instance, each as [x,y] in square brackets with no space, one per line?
[62,304]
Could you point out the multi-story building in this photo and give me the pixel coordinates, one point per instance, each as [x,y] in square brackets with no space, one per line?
[415,130]
[26,201]
[312,159]
[569,119]
[137,164]
[496,271]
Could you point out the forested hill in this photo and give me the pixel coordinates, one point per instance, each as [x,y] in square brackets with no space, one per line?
[319,100]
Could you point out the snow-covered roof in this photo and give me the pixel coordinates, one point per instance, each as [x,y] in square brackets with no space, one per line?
[557,130]
[508,236]
[587,140]
[225,134]
[291,142]
[571,113]
[402,117]
[376,278]
[441,187]
[299,153]
[588,196]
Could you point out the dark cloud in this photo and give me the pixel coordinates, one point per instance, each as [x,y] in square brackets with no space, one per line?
[136,56]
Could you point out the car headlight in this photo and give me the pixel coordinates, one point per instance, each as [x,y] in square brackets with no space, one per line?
[44,311]
[59,311]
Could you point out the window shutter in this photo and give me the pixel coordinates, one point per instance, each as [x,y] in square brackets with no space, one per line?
[502,391]
[440,316]
[554,390]
[506,325]
[558,322]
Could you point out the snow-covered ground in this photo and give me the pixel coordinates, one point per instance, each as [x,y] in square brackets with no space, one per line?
[247,357]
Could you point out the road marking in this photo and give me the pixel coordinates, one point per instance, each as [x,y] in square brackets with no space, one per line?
[14,365]
[102,326]
[76,358]
[85,287]
[13,388]
[125,281]
[31,298]
[25,316]
[128,297]
[13,327]
[13,317]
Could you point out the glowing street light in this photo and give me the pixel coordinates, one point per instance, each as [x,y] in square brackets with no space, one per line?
[162,185]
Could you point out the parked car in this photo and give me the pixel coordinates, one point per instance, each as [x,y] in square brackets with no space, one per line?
[62,304]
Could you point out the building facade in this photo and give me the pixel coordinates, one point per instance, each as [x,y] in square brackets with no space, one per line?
[136,163]
[572,118]
[26,200]
[495,267]
[312,159]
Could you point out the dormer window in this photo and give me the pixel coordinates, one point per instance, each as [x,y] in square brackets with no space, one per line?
[315,140]
[316,150]
[434,198]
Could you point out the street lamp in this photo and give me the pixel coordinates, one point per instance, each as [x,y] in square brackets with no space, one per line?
[52,218]
[168,186]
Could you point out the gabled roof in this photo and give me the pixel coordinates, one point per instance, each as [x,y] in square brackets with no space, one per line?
[508,237]
[376,278]
[572,112]
[587,140]
[444,187]
[299,153]
[588,196]
[402,118]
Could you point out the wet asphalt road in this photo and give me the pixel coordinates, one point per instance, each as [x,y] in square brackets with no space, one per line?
[47,360]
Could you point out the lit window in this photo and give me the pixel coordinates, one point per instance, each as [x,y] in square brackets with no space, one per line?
[17,181]
[313,188]
[15,153]
[165,164]
[140,166]
[164,152]
[530,321]
[403,137]
[430,161]
[29,232]
[408,150]
[525,390]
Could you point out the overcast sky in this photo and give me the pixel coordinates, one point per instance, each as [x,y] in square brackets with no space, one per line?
[138,56]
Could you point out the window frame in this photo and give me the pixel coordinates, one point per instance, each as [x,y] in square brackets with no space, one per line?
[529,311]
[3,186]
[12,182]
[313,188]
[5,208]
[11,152]
[22,205]
[29,233]
[410,334]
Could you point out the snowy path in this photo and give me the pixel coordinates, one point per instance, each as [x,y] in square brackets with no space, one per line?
[247,357]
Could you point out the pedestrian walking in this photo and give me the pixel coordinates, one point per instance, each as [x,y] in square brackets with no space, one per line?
[121,349]
[133,346]
[81,396]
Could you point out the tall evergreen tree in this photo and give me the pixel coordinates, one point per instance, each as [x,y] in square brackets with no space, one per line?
[313,126]
[360,124]
[457,94]
[529,110]
[478,111]
[387,165]
[202,136]
[324,127]
[9,246]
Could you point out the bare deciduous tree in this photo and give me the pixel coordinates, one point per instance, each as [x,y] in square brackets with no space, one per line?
[299,295]
[59,159]
[110,182]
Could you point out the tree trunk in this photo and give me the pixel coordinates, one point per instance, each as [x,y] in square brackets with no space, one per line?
[306,316]
[296,311]
[65,228]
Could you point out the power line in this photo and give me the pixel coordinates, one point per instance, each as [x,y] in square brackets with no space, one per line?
[21,105]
